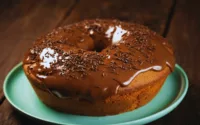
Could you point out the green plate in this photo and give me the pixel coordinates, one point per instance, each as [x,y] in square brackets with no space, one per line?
[20,94]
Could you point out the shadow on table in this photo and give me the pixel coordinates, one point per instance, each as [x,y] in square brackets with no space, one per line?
[27,120]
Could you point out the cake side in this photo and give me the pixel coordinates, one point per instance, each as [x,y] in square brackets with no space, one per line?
[105,63]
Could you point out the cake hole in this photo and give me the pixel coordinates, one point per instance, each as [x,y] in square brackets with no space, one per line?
[100,43]
[99,46]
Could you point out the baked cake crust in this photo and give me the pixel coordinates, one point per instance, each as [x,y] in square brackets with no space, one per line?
[98,67]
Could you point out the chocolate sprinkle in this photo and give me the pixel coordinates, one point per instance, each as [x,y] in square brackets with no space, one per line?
[80,56]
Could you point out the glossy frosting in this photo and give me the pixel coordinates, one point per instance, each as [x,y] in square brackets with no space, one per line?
[93,58]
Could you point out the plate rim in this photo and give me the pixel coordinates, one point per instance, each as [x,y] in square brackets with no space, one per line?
[180,96]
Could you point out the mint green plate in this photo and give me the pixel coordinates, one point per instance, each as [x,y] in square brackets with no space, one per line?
[20,94]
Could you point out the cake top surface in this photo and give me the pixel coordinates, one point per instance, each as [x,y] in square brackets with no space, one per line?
[95,57]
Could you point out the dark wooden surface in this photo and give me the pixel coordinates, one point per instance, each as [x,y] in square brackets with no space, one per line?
[21,22]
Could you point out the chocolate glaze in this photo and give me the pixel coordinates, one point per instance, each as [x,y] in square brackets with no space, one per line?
[91,59]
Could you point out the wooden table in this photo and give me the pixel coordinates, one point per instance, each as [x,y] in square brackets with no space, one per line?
[21,22]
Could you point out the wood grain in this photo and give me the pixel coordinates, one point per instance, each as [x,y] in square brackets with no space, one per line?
[184,34]
[21,22]
[20,25]
[150,13]
[29,23]
[9,116]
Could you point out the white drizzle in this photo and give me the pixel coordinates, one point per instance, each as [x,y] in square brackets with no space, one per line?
[157,68]
[91,32]
[109,31]
[58,94]
[48,56]
[108,56]
[117,35]
[41,76]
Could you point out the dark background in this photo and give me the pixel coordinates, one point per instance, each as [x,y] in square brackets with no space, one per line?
[21,22]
